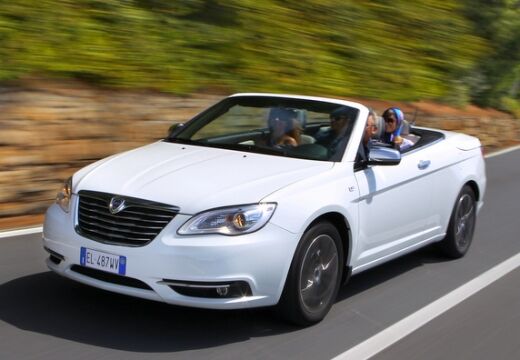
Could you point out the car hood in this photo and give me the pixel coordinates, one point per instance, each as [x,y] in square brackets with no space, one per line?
[194,178]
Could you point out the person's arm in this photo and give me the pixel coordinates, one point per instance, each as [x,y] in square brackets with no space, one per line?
[405,144]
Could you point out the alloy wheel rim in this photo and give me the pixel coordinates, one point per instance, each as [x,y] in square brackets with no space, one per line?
[319,273]
[465,221]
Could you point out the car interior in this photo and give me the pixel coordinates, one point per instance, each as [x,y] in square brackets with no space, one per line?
[255,132]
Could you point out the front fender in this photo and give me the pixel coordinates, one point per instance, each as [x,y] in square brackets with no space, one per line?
[300,204]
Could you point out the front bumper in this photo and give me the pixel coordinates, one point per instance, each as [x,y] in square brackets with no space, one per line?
[261,259]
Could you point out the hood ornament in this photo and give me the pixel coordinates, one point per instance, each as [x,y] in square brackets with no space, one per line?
[116,205]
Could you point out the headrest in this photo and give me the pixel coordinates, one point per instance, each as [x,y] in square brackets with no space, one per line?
[284,115]
[301,117]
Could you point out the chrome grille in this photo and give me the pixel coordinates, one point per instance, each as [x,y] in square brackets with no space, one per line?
[138,223]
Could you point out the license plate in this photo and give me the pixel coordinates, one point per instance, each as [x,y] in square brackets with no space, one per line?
[103,261]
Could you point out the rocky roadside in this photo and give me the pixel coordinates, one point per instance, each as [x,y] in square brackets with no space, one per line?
[50,129]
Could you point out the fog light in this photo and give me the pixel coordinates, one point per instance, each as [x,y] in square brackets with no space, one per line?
[223,291]
[214,290]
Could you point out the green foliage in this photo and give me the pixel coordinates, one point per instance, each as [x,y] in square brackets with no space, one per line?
[511,105]
[398,50]
[498,22]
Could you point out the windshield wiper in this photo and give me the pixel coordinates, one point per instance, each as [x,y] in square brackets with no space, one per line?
[265,149]
[184,141]
[246,147]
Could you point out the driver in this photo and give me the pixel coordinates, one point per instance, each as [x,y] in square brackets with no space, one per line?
[339,120]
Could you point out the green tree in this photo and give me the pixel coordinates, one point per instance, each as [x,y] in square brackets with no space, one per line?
[398,50]
[498,71]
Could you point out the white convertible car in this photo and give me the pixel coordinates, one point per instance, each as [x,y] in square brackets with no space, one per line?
[263,200]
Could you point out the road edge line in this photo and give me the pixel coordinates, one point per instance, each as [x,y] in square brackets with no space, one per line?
[411,323]
[502,152]
[19,232]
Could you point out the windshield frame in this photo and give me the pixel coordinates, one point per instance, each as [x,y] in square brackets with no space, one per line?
[185,133]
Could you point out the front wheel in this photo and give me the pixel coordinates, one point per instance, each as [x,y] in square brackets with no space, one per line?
[461,226]
[314,277]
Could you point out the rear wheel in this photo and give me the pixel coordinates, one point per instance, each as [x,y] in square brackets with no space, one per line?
[314,277]
[461,226]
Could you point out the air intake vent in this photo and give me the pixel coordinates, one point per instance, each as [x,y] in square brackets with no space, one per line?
[110,278]
[121,220]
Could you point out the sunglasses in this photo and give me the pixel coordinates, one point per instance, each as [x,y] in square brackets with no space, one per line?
[389,120]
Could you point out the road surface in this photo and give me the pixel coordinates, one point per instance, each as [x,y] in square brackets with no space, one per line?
[44,316]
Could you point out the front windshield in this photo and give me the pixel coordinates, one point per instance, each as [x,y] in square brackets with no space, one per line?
[279,126]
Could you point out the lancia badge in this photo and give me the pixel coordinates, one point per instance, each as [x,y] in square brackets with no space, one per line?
[116,205]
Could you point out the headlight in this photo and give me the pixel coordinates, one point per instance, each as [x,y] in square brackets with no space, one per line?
[63,196]
[234,220]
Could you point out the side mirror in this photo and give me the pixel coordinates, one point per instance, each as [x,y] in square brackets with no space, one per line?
[383,156]
[175,129]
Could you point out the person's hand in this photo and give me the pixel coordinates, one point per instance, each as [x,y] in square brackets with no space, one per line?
[398,140]
[288,140]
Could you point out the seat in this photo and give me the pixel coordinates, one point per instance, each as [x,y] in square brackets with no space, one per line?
[405,128]
[307,139]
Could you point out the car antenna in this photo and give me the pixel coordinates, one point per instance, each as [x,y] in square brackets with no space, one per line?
[414,117]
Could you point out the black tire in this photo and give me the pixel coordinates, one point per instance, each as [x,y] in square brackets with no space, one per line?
[314,276]
[462,225]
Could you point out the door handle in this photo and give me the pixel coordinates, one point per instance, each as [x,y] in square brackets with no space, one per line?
[423,164]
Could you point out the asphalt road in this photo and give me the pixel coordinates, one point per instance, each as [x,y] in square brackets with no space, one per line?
[44,316]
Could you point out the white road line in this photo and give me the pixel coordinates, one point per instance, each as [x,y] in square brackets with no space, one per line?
[502,152]
[19,232]
[406,326]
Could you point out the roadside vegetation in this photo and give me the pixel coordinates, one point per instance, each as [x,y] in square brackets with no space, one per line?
[456,52]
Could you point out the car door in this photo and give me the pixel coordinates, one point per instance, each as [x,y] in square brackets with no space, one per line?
[394,206]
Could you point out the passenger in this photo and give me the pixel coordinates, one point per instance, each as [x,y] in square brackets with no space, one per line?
[371,130]
[285,129]
[339,120]
[393,126]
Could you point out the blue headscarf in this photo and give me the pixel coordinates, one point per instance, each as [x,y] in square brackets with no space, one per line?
[399,116]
